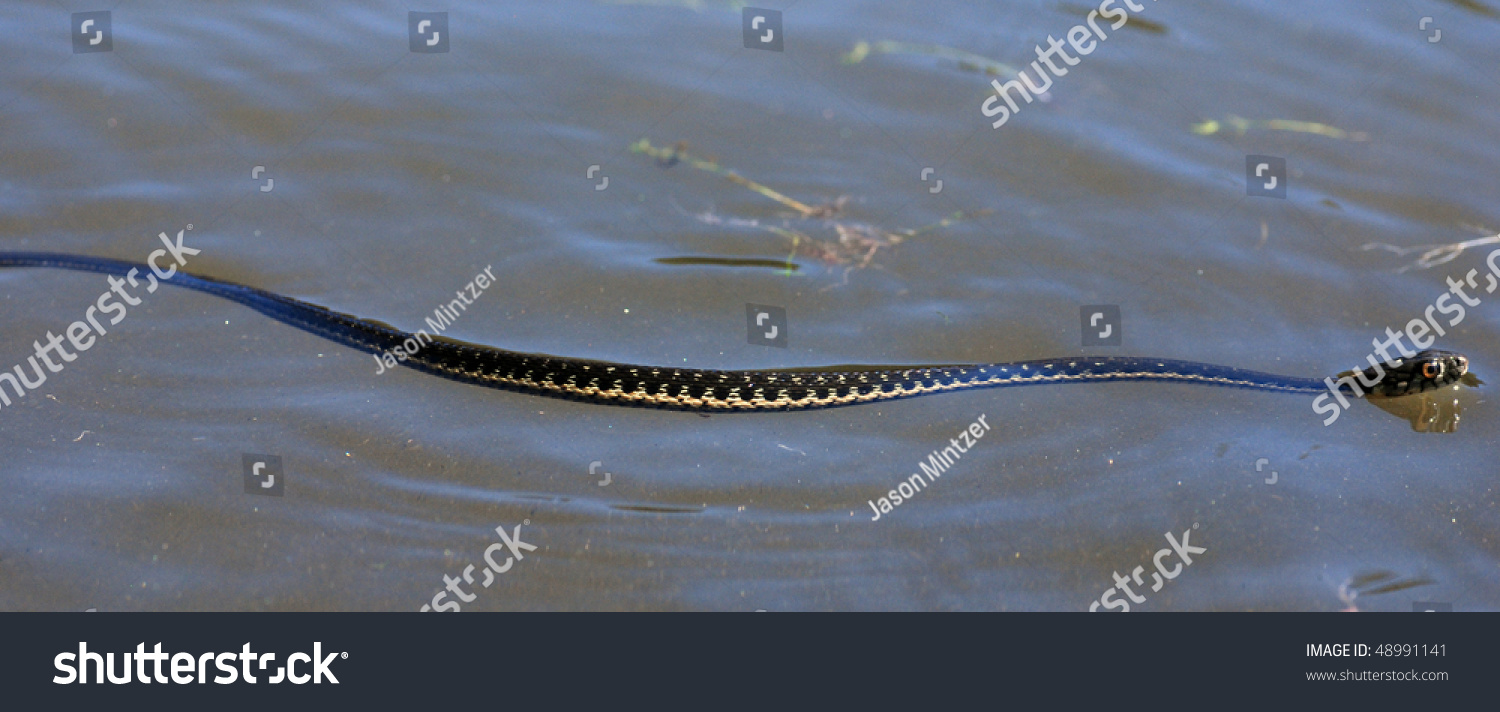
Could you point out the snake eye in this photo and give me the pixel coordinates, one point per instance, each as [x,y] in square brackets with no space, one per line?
[1431,370]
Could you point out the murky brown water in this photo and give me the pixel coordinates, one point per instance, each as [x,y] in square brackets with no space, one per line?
[390,178]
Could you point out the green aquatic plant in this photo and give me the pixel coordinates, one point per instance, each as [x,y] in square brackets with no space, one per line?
[966,60]
[854,246]
[1239,125]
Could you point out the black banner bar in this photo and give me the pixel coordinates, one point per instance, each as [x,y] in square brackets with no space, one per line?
[1021,660]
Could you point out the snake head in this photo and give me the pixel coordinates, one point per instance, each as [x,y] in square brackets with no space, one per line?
[1427,371]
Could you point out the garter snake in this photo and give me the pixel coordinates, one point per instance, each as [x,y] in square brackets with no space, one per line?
[715,390]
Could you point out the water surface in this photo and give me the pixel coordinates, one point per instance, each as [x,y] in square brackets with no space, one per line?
[392,178]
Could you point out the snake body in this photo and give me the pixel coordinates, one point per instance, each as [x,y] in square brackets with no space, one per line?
[723,390]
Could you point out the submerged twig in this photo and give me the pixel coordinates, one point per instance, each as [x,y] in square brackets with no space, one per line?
[856,245]
[670,156]
[1432,255]
[955,217]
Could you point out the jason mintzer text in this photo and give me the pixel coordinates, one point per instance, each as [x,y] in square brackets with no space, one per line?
[446,314]
[938,462]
